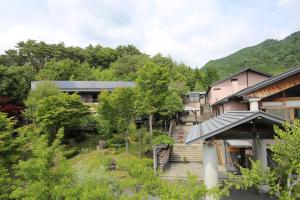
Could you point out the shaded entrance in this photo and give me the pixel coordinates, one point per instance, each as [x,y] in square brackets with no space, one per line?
[256,126]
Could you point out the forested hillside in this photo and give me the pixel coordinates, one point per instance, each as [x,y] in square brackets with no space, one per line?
[270,56]
[32,60]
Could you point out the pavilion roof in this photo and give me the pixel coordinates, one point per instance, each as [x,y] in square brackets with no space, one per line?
[218,125]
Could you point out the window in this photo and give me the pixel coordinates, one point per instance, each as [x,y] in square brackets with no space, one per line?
[234,79]
[217,88]
[283,113]
[277,112]
[297,113]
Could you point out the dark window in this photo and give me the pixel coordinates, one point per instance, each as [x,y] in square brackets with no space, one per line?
[217,88]
[234,79]
[297,113]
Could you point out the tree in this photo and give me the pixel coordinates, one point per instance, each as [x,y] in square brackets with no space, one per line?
[65,70]
[123,102]
[138,135]
[7,142]
[153,85]
[61,111]
[15,82]
[286,156]
[99,56]
[211,76]
[128,50]
[8,155]
[172,105]
[46,174]
[106,114]
[126,67]
[43,90]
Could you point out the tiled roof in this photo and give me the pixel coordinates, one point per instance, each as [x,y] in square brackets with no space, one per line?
[224,122]
[81,86]
[262,84]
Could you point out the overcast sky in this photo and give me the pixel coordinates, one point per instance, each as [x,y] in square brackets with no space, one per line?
[192,31]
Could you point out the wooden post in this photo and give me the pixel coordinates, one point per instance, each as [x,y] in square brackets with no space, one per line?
[150,124]
[154,159]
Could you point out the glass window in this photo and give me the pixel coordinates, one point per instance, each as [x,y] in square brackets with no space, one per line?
[297,113]
[283,113]
[277,112]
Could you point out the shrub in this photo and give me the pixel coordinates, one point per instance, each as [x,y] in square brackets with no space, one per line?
[115,140]
[71,153]
[162,139]
[158,133]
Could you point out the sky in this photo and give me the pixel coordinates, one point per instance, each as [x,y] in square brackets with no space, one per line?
[190,31]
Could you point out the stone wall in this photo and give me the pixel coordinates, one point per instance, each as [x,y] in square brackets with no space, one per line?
[163,158]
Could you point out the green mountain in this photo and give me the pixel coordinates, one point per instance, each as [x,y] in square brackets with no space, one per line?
[272,56]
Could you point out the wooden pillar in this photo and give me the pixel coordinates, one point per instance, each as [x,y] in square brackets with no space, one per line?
[154,159]
[210,165]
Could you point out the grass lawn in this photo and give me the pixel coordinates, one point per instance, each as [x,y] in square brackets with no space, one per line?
[124,162]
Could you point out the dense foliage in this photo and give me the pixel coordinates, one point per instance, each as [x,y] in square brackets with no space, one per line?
[270,56]
[282,179]
[35,143]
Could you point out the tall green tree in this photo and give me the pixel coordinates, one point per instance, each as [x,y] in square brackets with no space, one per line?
[126,67]
[46,174]
[153,86]
[15,82]
[172,105]
[128,50]
[43,90]
[123,103]
[65,70]
[8,155]
[7,141]
[106,113]
[211,76]
[61,111]
[99,56]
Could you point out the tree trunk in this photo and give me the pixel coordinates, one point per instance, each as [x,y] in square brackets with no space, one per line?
[140,147]
[170,127]
[165,124]
[126,140]
[150,125]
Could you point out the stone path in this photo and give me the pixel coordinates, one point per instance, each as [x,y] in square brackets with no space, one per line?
[180,170]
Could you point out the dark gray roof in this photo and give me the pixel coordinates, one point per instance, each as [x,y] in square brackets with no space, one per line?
[243,70]
[224,122]
[200,93]
[89,86]
[261,84]
[268,81]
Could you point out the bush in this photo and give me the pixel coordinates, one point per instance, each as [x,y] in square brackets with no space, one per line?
[115,140]
[158,133]
[71,153]
[162,139]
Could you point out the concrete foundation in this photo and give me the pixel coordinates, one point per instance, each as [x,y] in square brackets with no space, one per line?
[210,164]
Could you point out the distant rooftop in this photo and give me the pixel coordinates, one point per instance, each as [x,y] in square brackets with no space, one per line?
[87,86]
[242,71]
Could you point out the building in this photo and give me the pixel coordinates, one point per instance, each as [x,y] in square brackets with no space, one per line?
[231,85]
[245,109]
[88,90]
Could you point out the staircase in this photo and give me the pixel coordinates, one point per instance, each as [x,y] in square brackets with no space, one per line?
[186,153]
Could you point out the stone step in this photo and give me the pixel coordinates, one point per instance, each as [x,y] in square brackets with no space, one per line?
[183,152]
[187,159]
[186,153]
